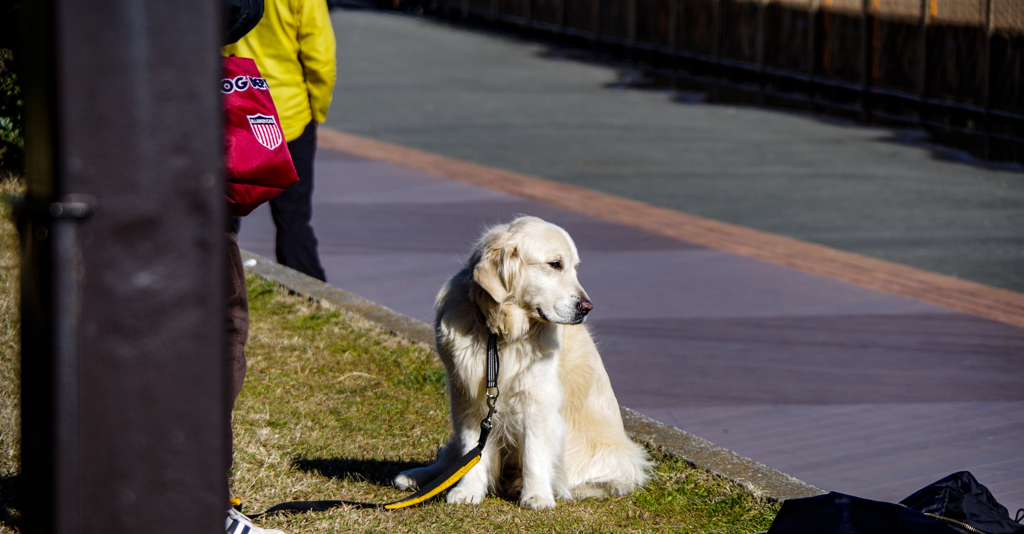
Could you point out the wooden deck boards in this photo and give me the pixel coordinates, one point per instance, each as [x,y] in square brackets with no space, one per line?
[849,374]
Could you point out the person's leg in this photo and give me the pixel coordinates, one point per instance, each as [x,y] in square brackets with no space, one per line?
[236,328]
[292,211]
[236,334]
[237,325]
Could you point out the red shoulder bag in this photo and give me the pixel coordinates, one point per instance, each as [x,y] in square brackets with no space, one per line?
[259,166]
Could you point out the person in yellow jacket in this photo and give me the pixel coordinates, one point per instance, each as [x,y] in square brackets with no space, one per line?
[294,48]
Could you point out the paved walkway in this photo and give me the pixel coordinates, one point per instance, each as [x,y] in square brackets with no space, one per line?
[847,388]
[529,108]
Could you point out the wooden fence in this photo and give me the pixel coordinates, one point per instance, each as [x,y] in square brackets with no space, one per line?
[955,67]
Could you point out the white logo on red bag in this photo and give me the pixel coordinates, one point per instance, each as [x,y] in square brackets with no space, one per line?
[266,130]
[241,83]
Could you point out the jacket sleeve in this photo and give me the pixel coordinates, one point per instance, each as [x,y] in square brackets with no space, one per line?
[317,51]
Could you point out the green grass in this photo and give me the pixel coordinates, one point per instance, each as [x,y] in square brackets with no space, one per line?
[10,368]
[334,406]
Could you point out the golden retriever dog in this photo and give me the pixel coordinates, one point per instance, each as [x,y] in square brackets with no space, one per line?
[557,432]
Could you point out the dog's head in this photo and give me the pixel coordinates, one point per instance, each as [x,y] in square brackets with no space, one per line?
[525,273]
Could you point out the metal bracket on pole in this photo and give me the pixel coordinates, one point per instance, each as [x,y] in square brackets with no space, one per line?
[58,223]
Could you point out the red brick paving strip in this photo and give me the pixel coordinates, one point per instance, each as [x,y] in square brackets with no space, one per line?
[977,299]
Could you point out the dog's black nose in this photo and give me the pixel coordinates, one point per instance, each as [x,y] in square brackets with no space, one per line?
[585,306]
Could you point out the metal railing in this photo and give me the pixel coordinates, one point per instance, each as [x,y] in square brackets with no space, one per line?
[955,67]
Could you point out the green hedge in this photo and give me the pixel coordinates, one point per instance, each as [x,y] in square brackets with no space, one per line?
[11,141]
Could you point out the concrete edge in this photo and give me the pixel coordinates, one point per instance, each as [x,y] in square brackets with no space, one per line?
[758,478]
[402,325]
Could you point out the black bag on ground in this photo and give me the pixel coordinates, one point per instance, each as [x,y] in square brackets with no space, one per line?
[958,504]
[836,513]
[961,497]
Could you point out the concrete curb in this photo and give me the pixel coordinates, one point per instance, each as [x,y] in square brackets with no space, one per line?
[402,325]
[757,478]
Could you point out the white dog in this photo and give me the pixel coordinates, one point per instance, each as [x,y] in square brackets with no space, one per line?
[557,432]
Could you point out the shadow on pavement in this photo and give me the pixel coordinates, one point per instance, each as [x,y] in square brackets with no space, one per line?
[631,75]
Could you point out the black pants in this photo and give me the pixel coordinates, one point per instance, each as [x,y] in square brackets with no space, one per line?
[293,211]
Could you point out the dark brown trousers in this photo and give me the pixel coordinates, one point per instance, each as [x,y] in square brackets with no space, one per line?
[236,325]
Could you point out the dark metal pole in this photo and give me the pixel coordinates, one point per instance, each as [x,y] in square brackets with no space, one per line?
[562,17]
[631,21]
[812,51]
[866,35]
[123,377]
[41,460]
[66,268]
[716,45]
[987,73]
[673,41]
[926,19]
[762,5]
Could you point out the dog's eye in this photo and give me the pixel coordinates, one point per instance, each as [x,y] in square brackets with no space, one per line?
[556,265]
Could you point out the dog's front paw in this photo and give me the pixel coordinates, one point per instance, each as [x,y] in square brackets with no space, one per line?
[405,482]
[465,496]
[620,488]
[538,502]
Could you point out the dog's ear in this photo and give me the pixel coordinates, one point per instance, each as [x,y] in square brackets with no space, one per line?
[498,271]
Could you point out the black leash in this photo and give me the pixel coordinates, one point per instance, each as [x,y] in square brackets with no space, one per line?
[439,484]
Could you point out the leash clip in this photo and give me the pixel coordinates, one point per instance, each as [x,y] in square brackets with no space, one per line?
[492,400]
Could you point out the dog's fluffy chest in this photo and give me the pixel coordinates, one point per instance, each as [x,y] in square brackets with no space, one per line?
[528,367]
[528,377]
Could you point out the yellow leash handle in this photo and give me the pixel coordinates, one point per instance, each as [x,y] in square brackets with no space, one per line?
[429,492]
[439,484]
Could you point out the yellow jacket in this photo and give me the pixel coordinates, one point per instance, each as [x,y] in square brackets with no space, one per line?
[294,47]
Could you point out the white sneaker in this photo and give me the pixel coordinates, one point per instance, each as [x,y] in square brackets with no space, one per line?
[239,524]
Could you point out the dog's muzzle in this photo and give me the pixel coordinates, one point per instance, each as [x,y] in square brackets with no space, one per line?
[583,307]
